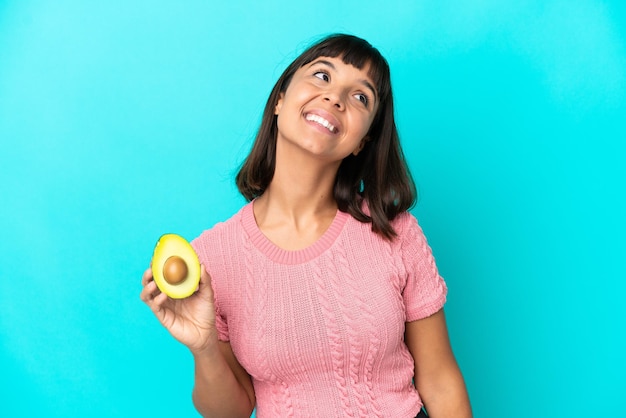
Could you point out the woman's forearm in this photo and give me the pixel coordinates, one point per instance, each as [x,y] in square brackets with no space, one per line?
[218,392]
[445,396]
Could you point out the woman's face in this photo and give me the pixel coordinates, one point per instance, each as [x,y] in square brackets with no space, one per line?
[327,109]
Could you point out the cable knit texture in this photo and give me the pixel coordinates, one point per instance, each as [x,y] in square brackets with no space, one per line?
[321,330]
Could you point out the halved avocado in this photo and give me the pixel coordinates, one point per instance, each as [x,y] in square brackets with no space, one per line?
[175,266]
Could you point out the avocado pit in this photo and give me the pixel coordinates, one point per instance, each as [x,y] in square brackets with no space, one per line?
[175,270]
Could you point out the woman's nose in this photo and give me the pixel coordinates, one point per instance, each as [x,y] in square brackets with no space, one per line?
[334,98]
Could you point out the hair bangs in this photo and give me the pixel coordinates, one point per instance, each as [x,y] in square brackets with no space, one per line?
[356,52]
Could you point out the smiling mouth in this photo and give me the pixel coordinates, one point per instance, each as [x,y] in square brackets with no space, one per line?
[321,121]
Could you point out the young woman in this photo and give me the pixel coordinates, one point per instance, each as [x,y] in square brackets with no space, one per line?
[320,297]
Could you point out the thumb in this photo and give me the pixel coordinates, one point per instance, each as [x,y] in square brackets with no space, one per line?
[205,282]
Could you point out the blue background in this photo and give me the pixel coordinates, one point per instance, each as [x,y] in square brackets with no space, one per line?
[123,120]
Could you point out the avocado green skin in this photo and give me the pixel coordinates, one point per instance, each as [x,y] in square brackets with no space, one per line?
[169,245]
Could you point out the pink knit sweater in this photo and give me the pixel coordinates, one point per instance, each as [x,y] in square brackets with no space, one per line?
[321,330]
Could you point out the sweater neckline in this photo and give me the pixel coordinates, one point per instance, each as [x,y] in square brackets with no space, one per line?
[280,255]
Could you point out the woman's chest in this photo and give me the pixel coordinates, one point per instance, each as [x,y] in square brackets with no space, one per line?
[339,311]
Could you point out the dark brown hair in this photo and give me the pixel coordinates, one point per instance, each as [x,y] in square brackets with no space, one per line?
[378,175]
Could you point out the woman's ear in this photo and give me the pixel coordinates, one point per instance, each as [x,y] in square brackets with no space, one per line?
[279,104]
[359,148]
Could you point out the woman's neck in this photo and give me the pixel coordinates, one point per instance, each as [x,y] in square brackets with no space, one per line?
[299,205]
[303,184]
[293,220]
[297,198]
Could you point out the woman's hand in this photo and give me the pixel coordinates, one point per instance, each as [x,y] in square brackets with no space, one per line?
[191,320]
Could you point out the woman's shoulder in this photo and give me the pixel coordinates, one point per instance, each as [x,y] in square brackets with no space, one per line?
[404,222]
[408,230]
[222,231]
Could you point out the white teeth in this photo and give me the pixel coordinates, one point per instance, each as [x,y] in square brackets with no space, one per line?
[321,121]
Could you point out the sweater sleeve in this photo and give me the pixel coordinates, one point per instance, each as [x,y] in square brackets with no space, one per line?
[425,290]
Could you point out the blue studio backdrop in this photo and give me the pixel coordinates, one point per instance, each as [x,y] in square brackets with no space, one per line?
[124,120]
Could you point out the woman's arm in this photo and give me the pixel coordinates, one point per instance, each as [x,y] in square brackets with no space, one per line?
[222,387]
[437,375]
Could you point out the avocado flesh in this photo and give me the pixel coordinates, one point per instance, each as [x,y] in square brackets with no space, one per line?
[172,245]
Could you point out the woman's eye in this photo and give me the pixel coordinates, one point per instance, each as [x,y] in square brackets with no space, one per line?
[321,75]
[362,98]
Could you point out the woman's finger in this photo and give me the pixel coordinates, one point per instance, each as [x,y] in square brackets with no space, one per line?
[147,276]
[149,292]
[205,279]
[160,299]
[157,303]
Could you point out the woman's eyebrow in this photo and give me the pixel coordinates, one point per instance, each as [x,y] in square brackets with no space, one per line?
[365,82]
